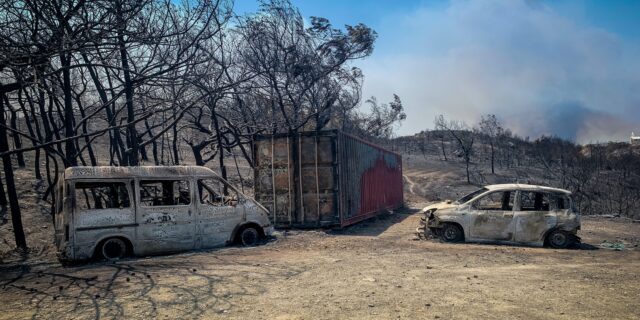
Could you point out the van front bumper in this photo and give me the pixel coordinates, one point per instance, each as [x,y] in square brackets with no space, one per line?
[268,230]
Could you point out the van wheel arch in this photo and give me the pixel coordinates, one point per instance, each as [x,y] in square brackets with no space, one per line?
[240,228]
[97,251]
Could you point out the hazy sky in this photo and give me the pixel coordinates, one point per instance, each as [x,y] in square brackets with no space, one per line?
[570,68]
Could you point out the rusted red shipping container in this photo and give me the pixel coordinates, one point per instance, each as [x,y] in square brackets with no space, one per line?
[326,178]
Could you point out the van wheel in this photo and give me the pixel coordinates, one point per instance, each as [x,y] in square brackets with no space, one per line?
[451,233]
[249,236]
[114,249]
[559,239]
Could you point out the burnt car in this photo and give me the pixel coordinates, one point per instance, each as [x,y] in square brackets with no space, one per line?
[507,213]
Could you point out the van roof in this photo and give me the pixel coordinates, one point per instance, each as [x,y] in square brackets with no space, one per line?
[526,187]
[105,172]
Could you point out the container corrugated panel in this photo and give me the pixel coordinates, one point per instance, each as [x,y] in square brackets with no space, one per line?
[370,177]
[326,178]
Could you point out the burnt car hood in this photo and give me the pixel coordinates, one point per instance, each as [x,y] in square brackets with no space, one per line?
[440,206]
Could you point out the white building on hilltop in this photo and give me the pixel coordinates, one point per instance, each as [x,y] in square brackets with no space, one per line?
[634,140]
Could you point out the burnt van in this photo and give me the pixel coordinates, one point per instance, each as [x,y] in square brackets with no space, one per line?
[113,212]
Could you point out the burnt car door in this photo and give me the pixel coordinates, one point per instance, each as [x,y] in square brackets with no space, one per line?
[165,215]
[491,217]
[534,216]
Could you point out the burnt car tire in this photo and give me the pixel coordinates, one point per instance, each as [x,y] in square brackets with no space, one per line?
[451,233]
[113,249]
[560,239]
[249,237]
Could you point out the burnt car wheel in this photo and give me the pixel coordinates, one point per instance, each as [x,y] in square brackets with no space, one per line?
[249,237]
[114,249]
[559,239]
[451,233]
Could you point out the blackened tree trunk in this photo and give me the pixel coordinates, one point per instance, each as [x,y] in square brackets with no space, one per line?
[143,153]
[70,150]
[16,216]
[133,144]
[162,149]
[223,169]
[174,144]
[34,129]
[36,165]
[3,197]
[85,130]
[17,142]
[466,162]
[197,154]
[42,102]
[154,144]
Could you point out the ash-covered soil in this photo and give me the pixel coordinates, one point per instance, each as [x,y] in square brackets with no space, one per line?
[374,270]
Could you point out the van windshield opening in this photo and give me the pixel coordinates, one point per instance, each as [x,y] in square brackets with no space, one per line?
[216,193]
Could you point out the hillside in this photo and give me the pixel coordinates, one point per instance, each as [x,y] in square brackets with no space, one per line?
[604,178]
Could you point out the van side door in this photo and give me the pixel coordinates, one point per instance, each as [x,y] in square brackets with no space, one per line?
[165,215]
[533,217]
[220,211]
[101,209]
[491,217]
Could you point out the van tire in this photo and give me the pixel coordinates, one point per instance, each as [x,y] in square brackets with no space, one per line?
[451,233]
[248,236]
[113,249]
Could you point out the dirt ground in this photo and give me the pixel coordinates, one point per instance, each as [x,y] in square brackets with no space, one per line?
[374,270]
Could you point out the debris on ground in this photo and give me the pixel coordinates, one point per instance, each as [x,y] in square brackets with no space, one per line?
[616,245]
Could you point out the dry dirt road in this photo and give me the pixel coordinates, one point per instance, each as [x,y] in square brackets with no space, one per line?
[371,271]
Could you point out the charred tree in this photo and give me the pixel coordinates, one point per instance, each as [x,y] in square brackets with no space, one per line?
[132,134]
[17,142]
[16,215]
